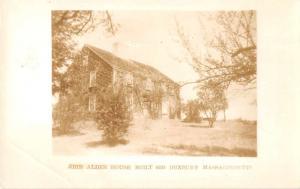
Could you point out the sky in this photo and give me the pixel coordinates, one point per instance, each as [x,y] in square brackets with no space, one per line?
[150,37]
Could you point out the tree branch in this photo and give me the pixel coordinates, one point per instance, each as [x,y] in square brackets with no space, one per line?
[89,19]
[243,50]
[110,22]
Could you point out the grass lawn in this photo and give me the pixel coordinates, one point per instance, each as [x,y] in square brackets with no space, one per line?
[164,137]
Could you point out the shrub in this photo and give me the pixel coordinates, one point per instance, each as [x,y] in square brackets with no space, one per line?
[192,111]
[63,115]
[113,114]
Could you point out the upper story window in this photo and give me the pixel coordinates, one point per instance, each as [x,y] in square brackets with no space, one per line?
[171,90]
[93,78]
[128,79]
[164,87]
[149,85]
[85,59]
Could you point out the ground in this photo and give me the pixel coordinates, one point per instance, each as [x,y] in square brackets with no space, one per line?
[164,137]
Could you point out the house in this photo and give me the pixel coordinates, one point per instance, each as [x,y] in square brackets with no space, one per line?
[149,92]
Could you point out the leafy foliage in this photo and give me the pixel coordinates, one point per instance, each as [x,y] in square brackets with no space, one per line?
[192,111]
[66,112]
[154,102]
[62,120]
[66,26]
[212,99]
[72,96]
[113,114]
[67,71]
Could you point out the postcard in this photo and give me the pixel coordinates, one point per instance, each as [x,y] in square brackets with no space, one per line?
[150,94]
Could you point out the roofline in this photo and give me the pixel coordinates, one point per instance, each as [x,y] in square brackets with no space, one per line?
[87,46]
[90,47]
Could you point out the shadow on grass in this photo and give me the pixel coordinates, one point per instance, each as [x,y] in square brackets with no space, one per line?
[111,143]
[198,126]
[203,124]
[71,132]
[247,122]
[213,151]
[191,150]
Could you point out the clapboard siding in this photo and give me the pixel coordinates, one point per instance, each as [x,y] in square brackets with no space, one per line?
[146,88]
[104,72]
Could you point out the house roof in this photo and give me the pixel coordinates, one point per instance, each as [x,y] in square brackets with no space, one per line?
[132,66]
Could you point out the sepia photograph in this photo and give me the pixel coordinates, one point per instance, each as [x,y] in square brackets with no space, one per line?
[149,94]
[179,83]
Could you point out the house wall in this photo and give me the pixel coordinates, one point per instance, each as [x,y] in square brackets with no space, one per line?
[139,93]
[104,72]
[155,99]
[104,76]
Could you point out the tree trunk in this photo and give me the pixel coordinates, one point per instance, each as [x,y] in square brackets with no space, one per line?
[211,123]
[224,114]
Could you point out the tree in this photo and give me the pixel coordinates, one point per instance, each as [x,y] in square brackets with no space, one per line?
[66,25]
[62,117]
[212,99]
[192,111]
[112,112]
[72,100]
[67,70]
[230,47]
[224,104]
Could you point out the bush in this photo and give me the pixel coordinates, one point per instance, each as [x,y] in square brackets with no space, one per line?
[68,110]
[114,116]
[192,111]
[63,115]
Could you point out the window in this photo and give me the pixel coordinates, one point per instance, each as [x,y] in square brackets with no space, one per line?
[92,103]
[92,78]
[129,79]
[164,88]
[149,85]
[85,60]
